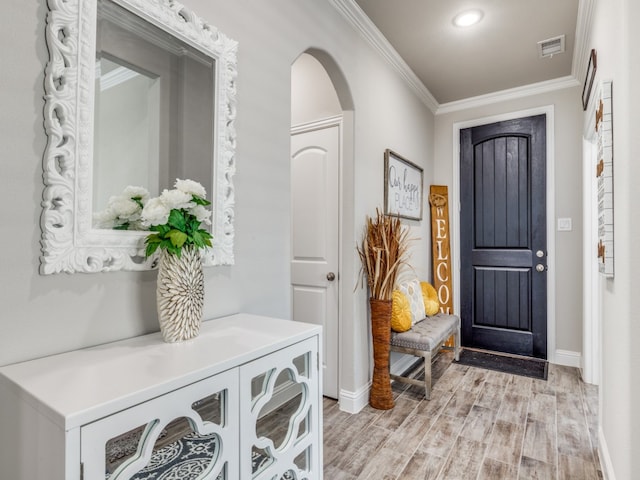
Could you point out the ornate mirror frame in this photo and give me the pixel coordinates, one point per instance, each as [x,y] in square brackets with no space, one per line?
[69,242]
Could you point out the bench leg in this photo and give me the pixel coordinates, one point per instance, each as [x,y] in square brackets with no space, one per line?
[456,344]
[427,376]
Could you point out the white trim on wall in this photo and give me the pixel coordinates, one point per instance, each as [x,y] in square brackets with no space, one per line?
[400,362]
[591,278]
[591,291]
[568,358]
[509,94]
[605,458]
[353,402]
[352,12]
[582,45]
[551,243]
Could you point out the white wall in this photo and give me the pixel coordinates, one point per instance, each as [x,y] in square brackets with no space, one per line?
[43,315]
[615,37]
[568,200]
[313,95]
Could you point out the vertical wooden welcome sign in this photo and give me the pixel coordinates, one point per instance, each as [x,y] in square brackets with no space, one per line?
[441,246]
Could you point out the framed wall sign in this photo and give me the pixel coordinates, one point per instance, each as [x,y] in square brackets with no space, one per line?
[402,187]
[588,79]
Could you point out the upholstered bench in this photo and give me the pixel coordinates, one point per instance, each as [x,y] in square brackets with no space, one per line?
[425,339]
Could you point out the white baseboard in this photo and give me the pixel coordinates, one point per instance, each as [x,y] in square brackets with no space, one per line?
[353,402]
[402,364]
[605,458]
[568,358]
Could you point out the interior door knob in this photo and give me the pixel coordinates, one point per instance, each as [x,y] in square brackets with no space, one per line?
[331,276]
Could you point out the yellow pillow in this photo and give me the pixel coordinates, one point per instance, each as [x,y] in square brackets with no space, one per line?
[400,312]
[430,297]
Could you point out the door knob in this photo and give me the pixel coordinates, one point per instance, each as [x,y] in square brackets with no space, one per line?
[540,267]
[331,276]
[539,254]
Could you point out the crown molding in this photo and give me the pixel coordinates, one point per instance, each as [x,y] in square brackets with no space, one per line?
[581,47]
[509,94]
[363,24]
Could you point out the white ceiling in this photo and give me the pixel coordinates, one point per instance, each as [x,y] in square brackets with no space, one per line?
[498,54]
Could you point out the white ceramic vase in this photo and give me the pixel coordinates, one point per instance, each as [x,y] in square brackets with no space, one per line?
[180,294]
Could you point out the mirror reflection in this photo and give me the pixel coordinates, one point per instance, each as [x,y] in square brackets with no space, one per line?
[138,93]
[126,146]
[153,109]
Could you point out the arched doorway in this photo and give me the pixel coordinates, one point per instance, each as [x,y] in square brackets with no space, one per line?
[318,136]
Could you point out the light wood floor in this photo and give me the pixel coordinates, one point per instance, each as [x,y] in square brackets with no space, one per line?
[479,424]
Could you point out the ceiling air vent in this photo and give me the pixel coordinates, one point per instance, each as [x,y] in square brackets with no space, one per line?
[551,46]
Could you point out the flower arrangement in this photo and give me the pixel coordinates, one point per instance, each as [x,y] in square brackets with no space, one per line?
[175,217]
[123,212]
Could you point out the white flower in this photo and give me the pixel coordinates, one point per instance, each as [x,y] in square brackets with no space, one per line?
[123,207]
[201,214]
[176,199]
[191,187]
[155,212]
[132,192]
[122,210]
[104,219]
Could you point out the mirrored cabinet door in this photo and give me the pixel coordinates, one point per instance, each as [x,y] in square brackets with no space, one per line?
[280,415]
[191,434]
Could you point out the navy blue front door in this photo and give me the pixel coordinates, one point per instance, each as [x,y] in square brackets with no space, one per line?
[503,236]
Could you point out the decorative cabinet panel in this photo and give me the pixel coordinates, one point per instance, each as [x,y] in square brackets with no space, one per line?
[241,401]
[282,442]
[169,430]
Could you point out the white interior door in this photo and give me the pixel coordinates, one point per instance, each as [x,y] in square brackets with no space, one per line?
[315,158]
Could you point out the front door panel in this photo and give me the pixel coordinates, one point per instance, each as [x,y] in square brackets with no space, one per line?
[503,237]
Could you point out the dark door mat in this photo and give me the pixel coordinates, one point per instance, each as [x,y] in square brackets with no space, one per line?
[527,367]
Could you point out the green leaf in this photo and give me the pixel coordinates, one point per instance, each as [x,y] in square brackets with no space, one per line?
[198,240]
[151,248]
[206,237]
[177,220]
[193,224]
[161,229]
[138,201]
[200,201]
[124,226]
[177,237]
[153,237]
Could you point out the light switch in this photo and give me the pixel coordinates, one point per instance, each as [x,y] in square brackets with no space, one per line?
[564,225]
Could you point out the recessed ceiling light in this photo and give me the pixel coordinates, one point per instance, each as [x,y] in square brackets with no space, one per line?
[467,18]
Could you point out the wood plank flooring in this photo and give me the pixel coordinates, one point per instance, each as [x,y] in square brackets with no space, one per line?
[479,425]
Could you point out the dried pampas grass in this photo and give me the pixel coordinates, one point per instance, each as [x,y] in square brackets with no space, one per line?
[383,252]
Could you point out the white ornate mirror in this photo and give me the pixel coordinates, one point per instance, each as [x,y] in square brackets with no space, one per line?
[137,92]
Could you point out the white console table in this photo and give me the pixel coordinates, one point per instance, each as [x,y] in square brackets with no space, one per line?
[61,415]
